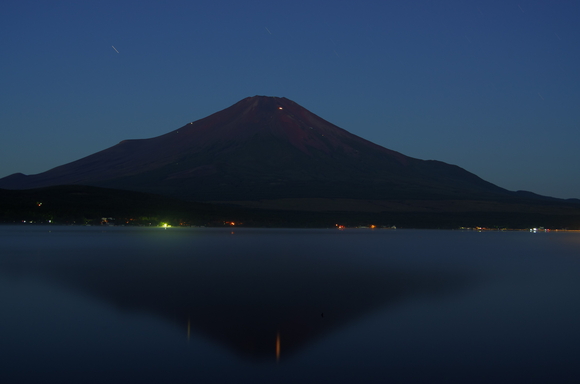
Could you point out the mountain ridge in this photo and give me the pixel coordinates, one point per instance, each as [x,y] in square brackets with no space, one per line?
[263,148]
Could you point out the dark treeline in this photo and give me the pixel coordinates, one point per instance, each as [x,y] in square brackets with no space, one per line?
[81,205]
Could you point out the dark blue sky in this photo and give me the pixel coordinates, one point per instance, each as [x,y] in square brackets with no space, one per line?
[491,86]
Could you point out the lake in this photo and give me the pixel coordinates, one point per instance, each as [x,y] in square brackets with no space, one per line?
[184,305]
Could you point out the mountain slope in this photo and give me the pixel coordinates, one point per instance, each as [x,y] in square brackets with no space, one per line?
[263,148]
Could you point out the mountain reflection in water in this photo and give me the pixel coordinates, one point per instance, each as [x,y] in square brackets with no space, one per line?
[263,301]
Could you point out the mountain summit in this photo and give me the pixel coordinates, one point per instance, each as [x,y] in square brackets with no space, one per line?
[263,148]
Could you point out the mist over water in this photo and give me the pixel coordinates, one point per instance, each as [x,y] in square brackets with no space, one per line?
[93,304]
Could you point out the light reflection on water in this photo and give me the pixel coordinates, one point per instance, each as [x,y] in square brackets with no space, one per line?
[288,305]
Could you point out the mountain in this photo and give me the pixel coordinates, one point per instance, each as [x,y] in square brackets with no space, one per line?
[263,149]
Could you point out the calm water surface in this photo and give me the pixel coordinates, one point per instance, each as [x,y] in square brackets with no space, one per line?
[148,305]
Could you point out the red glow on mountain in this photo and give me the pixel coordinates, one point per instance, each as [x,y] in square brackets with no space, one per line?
[261,148]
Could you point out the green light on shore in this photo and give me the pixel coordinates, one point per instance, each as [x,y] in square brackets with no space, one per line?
[165,225]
